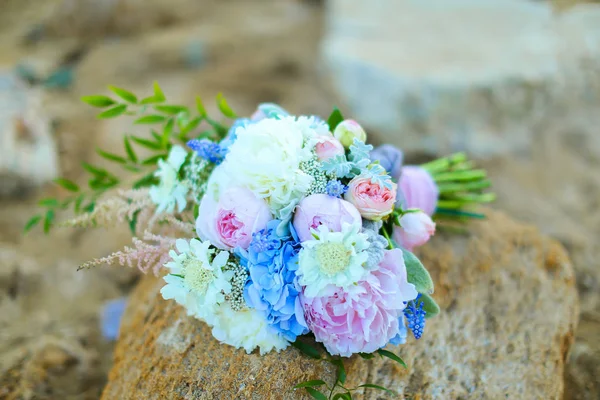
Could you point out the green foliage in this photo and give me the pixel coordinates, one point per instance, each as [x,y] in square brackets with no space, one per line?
[315,393]
[313,383]
[391,356]
[417,274]
[334,119]
[429,305]
[172,123]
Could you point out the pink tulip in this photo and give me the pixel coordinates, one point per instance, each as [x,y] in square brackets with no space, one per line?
[321,209]
[415,230]
[419,189]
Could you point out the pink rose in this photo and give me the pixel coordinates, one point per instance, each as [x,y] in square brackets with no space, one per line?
[328,147]
[372,201]
[365,317]
[231,221]
[415,230]
[419,189]
[321,209]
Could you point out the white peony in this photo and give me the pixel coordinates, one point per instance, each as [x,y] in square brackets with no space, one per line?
[266,159]
[196,282]
[170,191]
[247,329]
[333,258]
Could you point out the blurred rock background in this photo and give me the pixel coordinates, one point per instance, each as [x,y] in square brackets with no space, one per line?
[515,83]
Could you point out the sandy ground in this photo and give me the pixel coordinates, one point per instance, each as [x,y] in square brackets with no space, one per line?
[253,51]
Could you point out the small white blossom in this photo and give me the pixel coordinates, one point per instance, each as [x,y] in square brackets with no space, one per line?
[170,192]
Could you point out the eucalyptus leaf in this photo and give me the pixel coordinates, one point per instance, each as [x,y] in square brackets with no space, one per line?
[417,274]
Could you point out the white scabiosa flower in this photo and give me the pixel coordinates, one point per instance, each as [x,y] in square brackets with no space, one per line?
[265,158]
[333,258]
[197,280]
[170,192]
[247,329]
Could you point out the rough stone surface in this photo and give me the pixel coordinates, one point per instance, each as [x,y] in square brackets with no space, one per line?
[27,150]
[462,75]
[509,313]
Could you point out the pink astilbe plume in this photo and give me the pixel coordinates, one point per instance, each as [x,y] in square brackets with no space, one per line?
[151,253]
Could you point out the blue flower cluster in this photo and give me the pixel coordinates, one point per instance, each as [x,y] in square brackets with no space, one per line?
[335,188]
[415,317]
[272,261]
[216,152]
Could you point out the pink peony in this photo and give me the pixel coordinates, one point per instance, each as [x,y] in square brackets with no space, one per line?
[419,189]
[415,230]
[365,317]
[230,222]
[328,147]
[372,201]
[321,209]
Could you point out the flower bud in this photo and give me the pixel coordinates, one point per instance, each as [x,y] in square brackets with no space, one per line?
[347,131]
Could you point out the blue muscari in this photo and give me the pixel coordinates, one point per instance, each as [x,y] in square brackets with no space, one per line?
[272,287]
[335,188]
[216,152]
[415,317]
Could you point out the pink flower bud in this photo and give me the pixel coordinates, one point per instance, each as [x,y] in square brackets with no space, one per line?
[328,147]
[415,230]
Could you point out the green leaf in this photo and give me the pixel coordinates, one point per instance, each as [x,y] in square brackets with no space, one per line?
[130,153]
[67,184]
[429,305]
[102,184]
[111,157]
[150,100]
[373,386]
[78,202]
[158,93]
[200,107]
[96,171]
[417,274]
[133,222]
[48,220]
[146,143]
[48,202]
[196,211]
[147,180]
[168,129]
[171,109]
[343,396]
[307,349]
[366,356]
[98,101]
[90,207]
[334,119]
[193,124]
[113,112]
[150,119]
[154,159]
[124,94]
[341,371]
[315,382]
[224,107]
[33,221]
[391,356]
[315,393]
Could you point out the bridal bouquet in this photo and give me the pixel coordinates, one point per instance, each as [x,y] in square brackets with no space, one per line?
[277,226]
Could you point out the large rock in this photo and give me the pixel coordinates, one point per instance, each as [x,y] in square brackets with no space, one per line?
[509,313]
[27,150]
[467,75]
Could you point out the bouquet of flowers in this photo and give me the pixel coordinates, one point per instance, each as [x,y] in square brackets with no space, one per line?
[277,226]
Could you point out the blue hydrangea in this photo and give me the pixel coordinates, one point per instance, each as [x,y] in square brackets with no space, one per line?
[208,150]
[415,317]
[272,287]
[335,188]
[402,334]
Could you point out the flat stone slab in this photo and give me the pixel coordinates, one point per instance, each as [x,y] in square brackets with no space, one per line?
[509,310]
